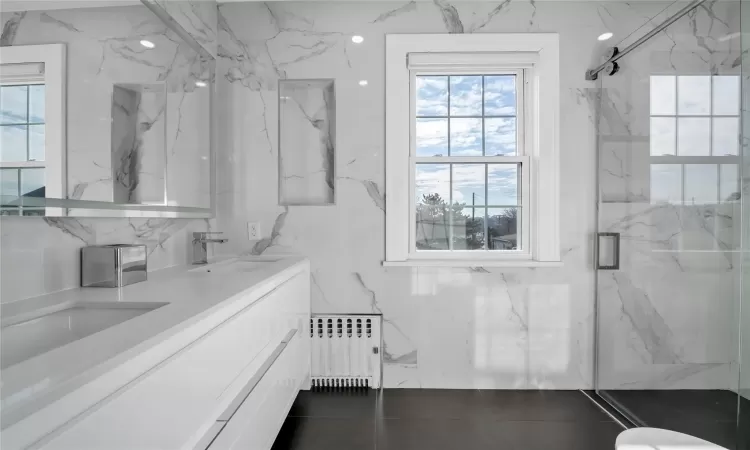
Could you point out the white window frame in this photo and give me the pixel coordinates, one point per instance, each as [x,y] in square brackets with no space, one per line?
[53,56]
[536,55]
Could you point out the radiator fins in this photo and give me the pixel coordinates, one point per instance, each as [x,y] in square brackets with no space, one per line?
[340,384]
[345,351]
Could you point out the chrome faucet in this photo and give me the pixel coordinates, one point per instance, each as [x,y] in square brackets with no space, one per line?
[200,253]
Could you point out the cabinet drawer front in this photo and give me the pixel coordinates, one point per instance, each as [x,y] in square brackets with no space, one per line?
[257,421]
[190,390]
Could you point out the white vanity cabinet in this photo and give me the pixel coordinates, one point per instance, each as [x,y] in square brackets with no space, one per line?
[231,388]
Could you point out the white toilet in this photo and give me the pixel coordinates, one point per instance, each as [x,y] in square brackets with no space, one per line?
[659,439]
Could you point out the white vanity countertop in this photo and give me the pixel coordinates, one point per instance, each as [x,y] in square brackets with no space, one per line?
[192,297]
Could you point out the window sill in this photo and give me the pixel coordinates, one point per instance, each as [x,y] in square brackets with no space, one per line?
[470,263]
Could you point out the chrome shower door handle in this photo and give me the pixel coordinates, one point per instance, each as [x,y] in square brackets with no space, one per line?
[611,251]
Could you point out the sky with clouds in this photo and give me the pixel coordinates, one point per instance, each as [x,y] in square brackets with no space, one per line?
[451,114]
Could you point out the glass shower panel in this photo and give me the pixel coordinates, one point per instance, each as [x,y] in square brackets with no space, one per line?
[743,423]
[669,165]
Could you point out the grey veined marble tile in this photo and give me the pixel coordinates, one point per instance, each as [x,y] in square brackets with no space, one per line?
[307,142]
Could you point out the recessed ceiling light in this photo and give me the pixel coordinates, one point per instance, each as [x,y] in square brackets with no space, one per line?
[200,83]
[363,82]
[358,39]
[147,44]
[605,36]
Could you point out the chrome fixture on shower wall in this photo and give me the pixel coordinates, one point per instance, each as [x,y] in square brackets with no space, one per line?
[613,54]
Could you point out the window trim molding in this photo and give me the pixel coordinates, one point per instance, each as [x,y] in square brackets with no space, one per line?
[541,51]
[55,145]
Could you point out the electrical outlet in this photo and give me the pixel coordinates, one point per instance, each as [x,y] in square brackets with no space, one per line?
[253,231]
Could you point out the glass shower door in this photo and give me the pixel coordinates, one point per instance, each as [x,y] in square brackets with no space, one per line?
[668,278]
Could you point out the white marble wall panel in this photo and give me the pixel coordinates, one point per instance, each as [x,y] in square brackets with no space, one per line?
[138,144]
[103,48]
[188,155]
[125,105]
[152,157]
[307,142]
[197,17]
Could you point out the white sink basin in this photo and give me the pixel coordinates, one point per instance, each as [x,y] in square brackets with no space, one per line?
[32,335]
[236,266]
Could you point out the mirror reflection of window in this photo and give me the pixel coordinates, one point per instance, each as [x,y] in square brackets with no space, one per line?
[694,138]
[22,126]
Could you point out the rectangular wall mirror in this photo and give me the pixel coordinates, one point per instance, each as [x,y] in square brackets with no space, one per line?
[105,111]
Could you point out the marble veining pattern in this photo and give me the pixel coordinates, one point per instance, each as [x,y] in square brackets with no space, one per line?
[478,327]
[41,255]
[10,28]
[104,43]
[197,17]
[307,149]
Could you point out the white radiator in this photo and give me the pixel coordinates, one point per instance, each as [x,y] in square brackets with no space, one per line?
[346,351]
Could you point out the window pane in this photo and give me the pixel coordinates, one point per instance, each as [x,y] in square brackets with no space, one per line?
[12,143]
[432,96]
[500,136]
[432,183]
[500,95]
[468,184]
[432,221]
[466,137]
[726,136]
[663,95]
[502,184]
[503,228]
[666,183]
[8,184]
[432,137]
[466,95]
[694,94]
[32,182]
[663,136]
[729,187]
[13,104]
[468,228]
[726,96]
[36,103]
[701,183]
[693,136]
[36,142]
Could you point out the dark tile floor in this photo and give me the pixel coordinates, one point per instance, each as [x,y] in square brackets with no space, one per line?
[415,419]
[707,414]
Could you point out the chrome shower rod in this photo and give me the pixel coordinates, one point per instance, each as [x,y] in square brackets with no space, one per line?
[592,74]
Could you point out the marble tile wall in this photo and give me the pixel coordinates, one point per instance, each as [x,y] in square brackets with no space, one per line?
[197,17]
[42,255]
[138,144]
[461,328]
